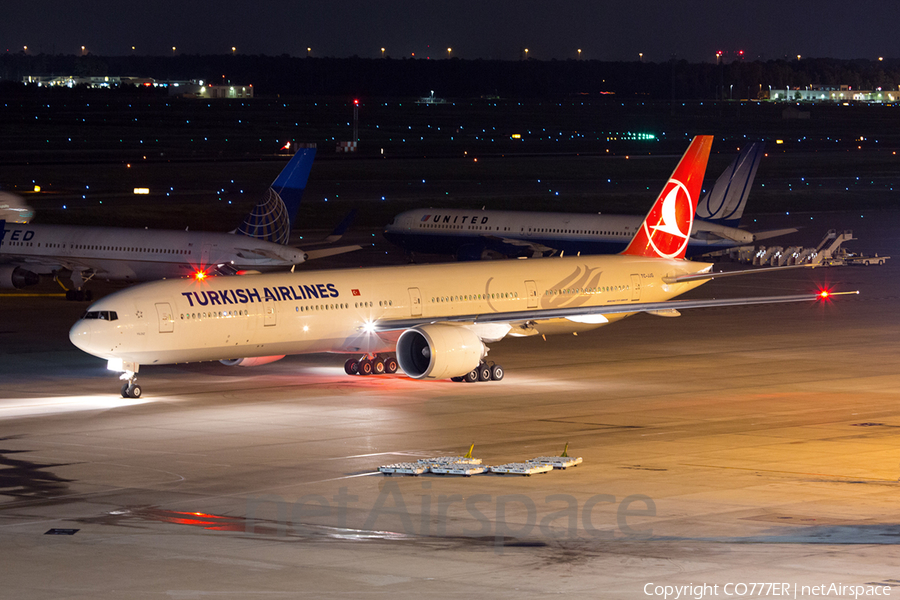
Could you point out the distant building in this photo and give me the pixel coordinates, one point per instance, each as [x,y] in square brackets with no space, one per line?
[188,89]
[843,93]
[197,89]
[71,81]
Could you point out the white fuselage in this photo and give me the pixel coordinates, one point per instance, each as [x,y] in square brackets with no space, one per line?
[445,231]
[125,254]
[344,310]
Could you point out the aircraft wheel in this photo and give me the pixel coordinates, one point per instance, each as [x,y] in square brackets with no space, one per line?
[496,372]
[351,367]
[88,295]
[79,295]
[365,367]
[125,390]
[390,365]
[471,376]
[484,372]
[378,366]
[134,390]
[457,379]
[70,295]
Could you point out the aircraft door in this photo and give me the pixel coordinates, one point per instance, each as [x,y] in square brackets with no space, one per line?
[209,255]
[269,314]
[415,302]
[166,318]
[635,287]
[531,290]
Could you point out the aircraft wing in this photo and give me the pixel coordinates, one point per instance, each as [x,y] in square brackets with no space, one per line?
[711,275]
[496,243]
[49,264]
[594,314]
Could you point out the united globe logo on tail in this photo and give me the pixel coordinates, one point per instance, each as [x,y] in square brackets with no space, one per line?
[666,230]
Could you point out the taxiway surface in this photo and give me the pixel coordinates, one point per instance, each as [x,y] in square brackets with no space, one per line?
[755,444]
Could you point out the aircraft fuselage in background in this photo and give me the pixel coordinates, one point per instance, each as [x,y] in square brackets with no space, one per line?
[467,233]
[127,254]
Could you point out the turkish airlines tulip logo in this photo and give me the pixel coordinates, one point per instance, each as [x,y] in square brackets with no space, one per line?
[673,218]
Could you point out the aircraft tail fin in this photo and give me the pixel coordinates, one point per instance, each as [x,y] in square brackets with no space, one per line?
[469,453]
[667,227]
[273,217]
[724,203]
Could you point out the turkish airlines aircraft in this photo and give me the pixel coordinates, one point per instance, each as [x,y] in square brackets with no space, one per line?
[124,254]
[475,234]
[438,318]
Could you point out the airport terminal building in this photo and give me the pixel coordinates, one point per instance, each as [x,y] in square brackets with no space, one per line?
[842,93]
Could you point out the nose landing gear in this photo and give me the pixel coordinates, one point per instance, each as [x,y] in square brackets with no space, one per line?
[130,389]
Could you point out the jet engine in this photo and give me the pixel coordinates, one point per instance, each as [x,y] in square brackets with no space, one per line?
[439,351]
[250,362]
[13,277]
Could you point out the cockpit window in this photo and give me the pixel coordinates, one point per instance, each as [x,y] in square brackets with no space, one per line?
[103,315]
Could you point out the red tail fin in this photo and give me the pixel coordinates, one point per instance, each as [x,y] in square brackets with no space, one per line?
[667,227]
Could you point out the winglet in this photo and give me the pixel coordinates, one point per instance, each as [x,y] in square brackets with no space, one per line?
[667,228]
[273,217]
[469,453]
[342,227]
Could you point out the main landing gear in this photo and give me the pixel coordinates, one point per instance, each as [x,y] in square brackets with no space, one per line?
[77,292]
[483,372]
[376,365]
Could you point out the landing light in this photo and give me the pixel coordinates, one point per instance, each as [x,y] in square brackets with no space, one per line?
[200,275]
[369,327]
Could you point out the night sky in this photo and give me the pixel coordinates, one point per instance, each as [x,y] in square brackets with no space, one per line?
[491,29]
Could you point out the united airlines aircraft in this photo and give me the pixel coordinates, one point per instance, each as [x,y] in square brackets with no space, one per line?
[431,321]
[476,234]
[112,253]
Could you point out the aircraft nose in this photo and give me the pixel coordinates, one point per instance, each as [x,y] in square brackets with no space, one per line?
[80,335]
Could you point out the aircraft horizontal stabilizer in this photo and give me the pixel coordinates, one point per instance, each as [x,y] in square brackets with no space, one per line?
[260,252]
[324,252]
[764,235]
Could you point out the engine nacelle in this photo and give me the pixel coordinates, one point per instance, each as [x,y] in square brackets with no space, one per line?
[254,361]
[13,277]
[439,351]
